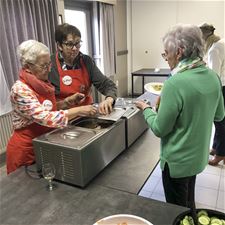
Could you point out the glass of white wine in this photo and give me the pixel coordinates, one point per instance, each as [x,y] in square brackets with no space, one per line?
[48,172]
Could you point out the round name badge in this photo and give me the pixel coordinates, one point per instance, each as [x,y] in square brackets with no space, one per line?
[67,80]
[47,104]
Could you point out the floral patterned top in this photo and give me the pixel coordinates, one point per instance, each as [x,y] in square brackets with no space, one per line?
[27,109]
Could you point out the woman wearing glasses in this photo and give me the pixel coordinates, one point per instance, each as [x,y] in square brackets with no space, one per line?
[72,71]
[34,104]
[191,100]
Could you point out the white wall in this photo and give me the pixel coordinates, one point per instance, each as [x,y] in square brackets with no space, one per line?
[149,20]
[61,8]
[121,45]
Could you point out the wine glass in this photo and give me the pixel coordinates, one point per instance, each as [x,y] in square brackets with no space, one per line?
[48,172]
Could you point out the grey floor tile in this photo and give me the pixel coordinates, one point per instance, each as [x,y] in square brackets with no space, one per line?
[158,197]
[208,181]
[146,194]
[159,188]
[223,171]
[206,196]
[215,170]
[222,184]
[203,206]
[157,171]
[221,200]
[220,210]
[151,183]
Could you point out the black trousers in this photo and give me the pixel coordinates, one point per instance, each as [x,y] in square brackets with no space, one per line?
[219,137]
[179,191]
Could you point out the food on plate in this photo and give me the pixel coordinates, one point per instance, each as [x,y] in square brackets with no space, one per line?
[154,87]
[157,87]
[203,219]
[123,219]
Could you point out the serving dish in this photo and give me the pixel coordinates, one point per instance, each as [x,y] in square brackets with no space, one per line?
[210,212]
[123,219]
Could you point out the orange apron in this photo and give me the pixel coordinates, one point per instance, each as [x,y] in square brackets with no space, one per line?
[20,148]
[73,81]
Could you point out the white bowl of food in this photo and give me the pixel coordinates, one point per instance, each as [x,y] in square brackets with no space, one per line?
[123,219]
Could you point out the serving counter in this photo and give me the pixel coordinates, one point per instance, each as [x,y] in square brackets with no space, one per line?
[113,191]
[26,201]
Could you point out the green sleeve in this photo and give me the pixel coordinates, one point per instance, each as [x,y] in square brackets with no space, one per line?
[163,122]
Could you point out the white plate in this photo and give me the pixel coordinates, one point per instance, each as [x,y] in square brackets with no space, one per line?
[150,87]
[123,219]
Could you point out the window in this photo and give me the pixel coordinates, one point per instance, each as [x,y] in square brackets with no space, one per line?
[78,15]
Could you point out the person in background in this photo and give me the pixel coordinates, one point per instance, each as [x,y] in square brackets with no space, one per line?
[34,105]
[190,101]
[72,71]
[215,52]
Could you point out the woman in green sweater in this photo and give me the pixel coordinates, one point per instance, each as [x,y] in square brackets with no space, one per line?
[191,100]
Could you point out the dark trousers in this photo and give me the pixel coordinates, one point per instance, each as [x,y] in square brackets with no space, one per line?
[219,137]
[179,191]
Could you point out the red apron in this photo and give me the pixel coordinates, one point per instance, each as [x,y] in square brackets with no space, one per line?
[20,148]
[73,81]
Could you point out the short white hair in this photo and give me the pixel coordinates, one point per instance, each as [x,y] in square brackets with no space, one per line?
[185,36]
[29,51]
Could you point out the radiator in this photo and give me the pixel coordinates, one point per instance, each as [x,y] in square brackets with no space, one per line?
[5,130]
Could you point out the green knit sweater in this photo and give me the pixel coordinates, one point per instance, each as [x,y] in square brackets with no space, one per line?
[190,101]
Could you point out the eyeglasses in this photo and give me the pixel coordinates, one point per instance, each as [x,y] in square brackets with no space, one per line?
[164,55]
[71,45]
[43,66]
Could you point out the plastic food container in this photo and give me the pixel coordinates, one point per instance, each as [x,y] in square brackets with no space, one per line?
[211,213]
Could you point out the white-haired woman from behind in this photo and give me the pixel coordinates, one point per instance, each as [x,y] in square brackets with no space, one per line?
[34,105]
[190,101]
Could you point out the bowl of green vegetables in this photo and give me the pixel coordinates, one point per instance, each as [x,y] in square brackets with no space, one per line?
[203,217]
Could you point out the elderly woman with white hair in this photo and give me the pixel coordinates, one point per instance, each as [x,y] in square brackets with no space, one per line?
[34,104]
[191,100]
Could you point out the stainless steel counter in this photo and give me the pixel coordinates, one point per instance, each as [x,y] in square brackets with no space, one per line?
[131,169]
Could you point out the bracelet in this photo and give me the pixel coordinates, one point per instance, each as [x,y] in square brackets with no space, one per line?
[149,107]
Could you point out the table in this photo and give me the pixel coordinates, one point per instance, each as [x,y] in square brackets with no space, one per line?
[114,191]
[26,201]
[147,73]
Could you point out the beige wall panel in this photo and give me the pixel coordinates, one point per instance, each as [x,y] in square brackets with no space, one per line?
[121,45]
[148,21]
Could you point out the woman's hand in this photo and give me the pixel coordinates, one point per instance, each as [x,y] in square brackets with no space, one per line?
[86,110]
[75,99]
[142,105]
[105,107]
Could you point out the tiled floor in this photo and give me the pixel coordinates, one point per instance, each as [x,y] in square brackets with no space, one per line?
[209,191]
